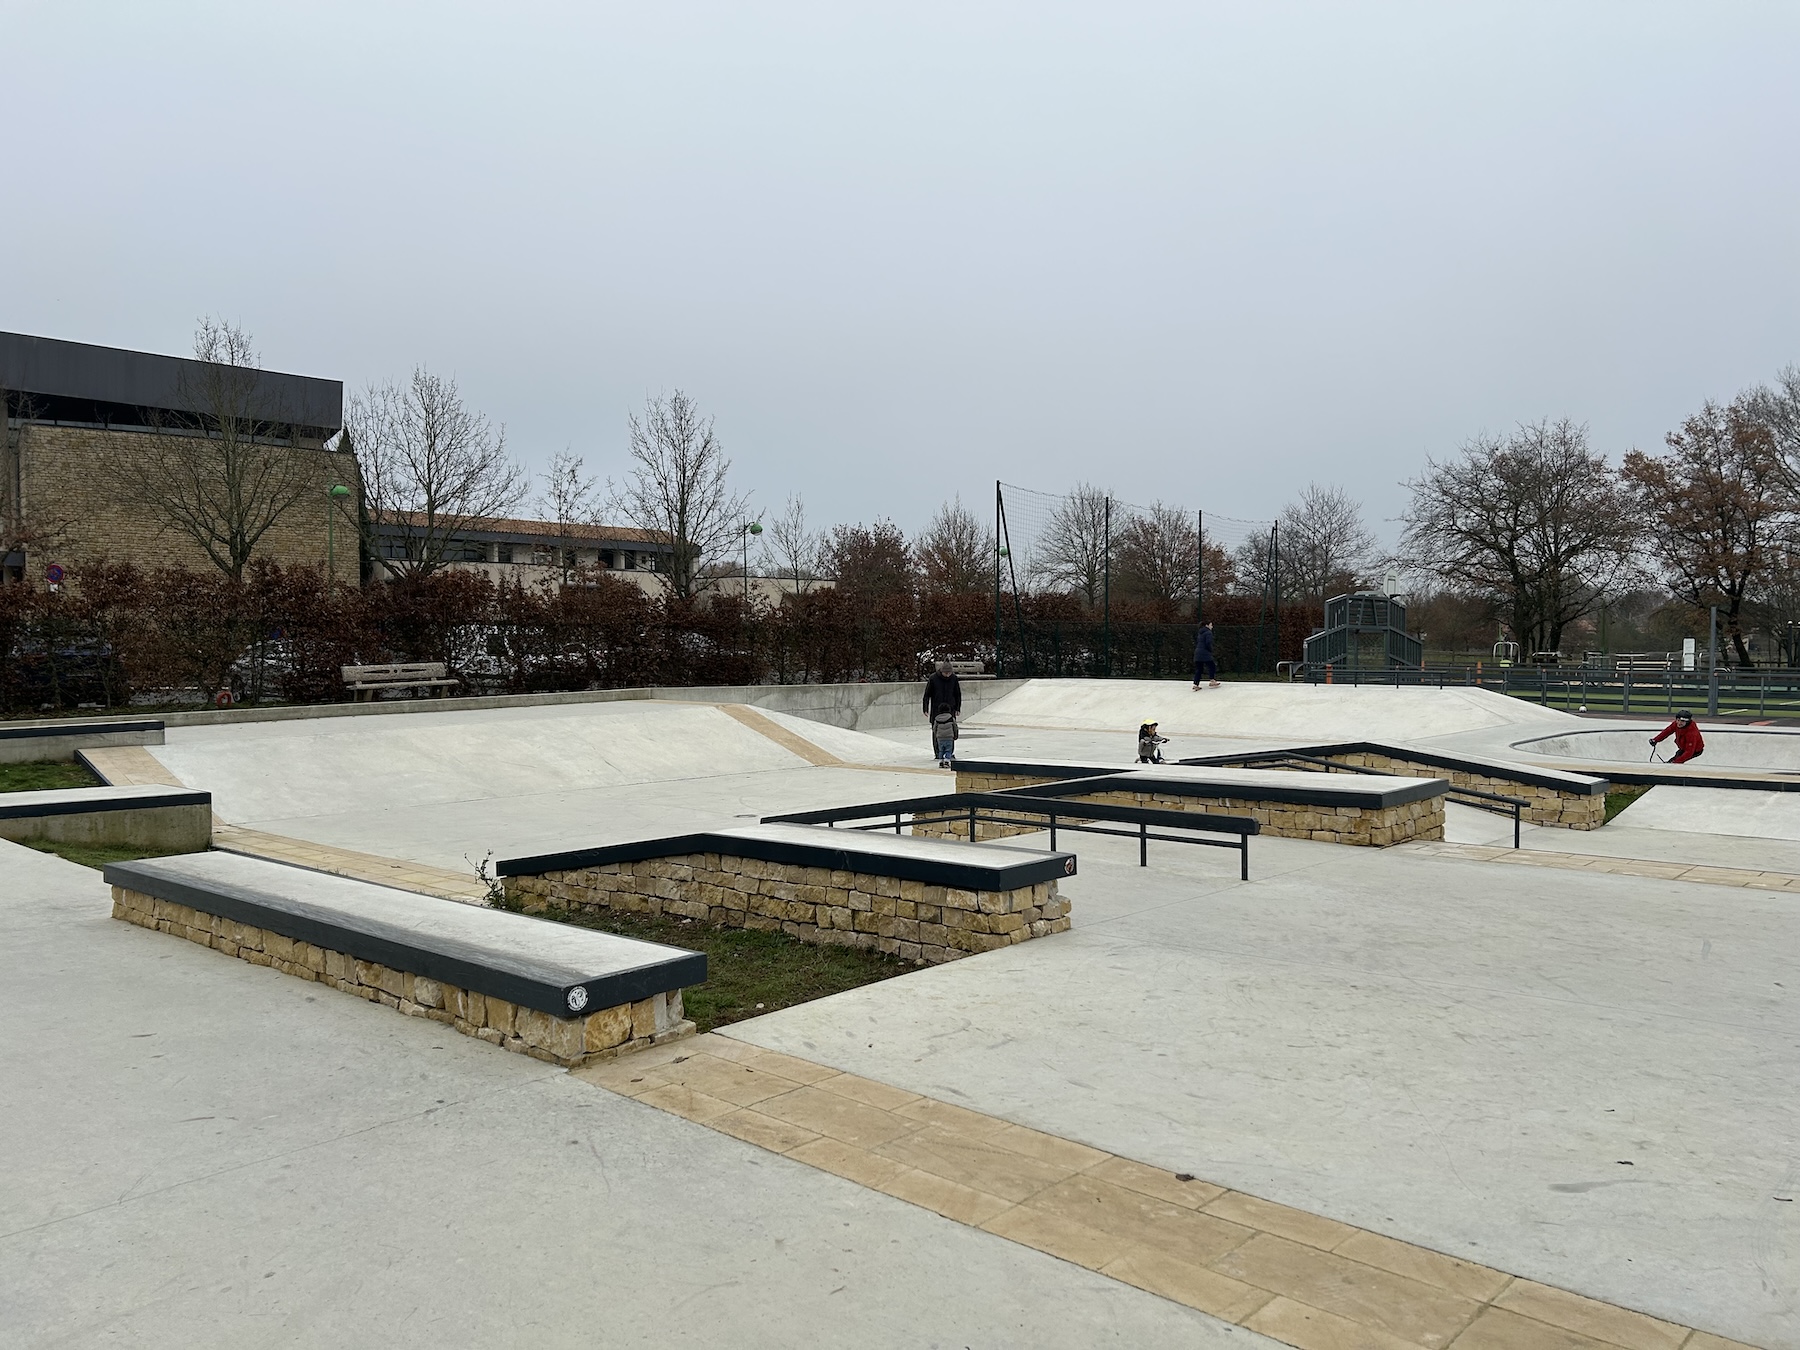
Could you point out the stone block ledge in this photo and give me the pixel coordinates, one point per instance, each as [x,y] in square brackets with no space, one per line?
[1382,811]
[560,994]
[930,862]
[1552,797]
[848,889]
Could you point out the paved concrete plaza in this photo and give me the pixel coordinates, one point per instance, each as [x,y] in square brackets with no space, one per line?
[205,1153]
[1584,1080]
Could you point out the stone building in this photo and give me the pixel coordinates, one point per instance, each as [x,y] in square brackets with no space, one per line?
[530,551]
[72,409]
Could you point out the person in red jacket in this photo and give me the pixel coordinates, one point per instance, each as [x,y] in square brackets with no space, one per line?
[1688,744]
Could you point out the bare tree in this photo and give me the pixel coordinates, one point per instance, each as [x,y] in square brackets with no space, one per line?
[1249,564]
[225,469]
[568,500]
[1718,504]
[677,491]
[791,549]
[1777,407]
[432,468]
[1535,522]
[1324,544]
[955,554]
[1071,556]
[1157,553]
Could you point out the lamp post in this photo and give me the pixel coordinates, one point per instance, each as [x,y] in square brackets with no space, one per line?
[752,527]
[333,495]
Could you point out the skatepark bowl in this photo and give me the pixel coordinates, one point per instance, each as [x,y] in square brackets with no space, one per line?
[1439,1095]
[1726,747]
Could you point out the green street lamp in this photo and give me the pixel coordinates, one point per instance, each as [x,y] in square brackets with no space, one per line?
[333,494]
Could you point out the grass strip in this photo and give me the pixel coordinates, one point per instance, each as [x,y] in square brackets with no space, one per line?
[748,974]
[97,856]
[1618,798]
[44,774]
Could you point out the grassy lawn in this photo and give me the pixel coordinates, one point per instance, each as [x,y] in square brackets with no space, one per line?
[40,775]
[97,856]
[1618,798]
[748,974]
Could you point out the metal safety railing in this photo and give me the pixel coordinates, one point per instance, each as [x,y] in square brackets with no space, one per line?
[1729,692]
[1015,808]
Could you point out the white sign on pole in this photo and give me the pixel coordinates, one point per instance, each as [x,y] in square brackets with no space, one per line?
[1687,653]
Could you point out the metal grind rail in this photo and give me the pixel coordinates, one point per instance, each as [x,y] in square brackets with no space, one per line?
[1492,802]
[1015,808]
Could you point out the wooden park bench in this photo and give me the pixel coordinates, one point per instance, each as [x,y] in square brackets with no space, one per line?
[968,670]
[367,681]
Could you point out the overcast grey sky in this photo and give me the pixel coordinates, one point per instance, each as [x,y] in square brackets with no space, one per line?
[1201,252]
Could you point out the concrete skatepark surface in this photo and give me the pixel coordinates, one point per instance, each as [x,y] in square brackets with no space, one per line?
[438,787]
[205,1153]
[1453,1053]
[1266,710]
[1464,1075]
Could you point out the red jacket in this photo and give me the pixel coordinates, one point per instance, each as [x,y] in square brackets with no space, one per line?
[1688,742]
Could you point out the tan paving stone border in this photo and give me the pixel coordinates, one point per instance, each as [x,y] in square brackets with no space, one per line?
[1629,867]
[819,757]
[1296,1277]
[343,862]
[129,766]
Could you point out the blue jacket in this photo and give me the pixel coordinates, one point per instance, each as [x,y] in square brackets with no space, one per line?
[1203,648]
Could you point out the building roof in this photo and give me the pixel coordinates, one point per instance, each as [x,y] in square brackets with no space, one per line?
[80,382]
[515,530]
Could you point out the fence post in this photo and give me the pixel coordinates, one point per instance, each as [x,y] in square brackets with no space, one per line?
[1106,594]
[1712,666]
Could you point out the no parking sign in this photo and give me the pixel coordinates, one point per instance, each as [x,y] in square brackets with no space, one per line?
[54,574]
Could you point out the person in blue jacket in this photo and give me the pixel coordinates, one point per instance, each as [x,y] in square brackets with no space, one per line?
[1205,668]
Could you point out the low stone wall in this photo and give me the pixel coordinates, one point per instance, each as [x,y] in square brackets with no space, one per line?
[1375,827]
[1546,805]
[908,919]
[568,1041]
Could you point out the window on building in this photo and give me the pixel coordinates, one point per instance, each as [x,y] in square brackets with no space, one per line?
[506,551]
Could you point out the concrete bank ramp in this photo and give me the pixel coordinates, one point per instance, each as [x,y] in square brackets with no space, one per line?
[1261,710]
[275,770]
[1726,747]
[1742,813]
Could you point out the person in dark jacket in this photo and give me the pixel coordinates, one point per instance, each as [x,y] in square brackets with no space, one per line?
[1688,742]
[942,704]
[1205,668]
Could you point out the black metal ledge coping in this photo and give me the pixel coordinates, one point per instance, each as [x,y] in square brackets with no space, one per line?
[80,729]
[88,801]
[1065,780]
[1580,785]
[934,862]
[531,962]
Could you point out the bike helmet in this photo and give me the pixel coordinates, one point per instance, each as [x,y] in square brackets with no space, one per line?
[1684,716]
